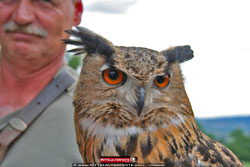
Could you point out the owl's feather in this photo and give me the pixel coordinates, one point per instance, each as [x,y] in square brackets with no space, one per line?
[109,122]
[91,42]
[179,53]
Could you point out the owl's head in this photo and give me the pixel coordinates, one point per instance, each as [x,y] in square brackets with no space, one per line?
[129,83]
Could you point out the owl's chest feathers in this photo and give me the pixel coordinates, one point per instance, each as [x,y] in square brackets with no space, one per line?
[178,144]
[160,140]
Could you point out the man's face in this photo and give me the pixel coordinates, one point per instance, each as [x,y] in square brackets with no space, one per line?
[32,29]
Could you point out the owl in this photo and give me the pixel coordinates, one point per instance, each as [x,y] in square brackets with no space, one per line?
[131,101]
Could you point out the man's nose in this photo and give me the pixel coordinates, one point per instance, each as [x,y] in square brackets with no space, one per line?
[24,12]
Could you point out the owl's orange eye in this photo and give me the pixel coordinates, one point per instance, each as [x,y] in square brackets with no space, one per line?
[113,76]
[162,81]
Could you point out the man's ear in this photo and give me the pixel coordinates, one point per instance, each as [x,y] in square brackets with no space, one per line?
[78,12]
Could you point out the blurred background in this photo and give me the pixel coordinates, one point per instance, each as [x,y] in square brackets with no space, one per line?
[217,78]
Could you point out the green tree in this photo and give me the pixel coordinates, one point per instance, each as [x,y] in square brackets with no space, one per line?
[240,144]
[74,61]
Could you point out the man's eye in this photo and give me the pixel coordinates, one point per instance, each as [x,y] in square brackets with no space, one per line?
[47,1]
[7,1]
[44,2]
[53,2]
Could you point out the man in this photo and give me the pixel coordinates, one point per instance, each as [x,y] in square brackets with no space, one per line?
[31,33]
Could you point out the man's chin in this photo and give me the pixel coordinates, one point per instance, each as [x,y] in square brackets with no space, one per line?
[24,47]
[24,50]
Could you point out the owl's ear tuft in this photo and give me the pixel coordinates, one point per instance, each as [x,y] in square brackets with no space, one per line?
[178,53]
[89,42]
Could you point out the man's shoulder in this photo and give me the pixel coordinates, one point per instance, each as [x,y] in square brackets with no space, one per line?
[70,90]
[50,140]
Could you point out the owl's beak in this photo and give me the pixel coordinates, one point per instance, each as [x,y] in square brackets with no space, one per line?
[140,102]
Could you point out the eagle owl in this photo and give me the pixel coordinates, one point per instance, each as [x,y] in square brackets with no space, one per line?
[131,101]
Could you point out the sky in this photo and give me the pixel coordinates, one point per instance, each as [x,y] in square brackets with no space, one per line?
[217,79]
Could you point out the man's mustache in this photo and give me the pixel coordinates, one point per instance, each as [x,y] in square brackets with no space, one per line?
[11,26]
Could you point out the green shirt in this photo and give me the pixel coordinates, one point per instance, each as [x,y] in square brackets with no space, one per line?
[50,141]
